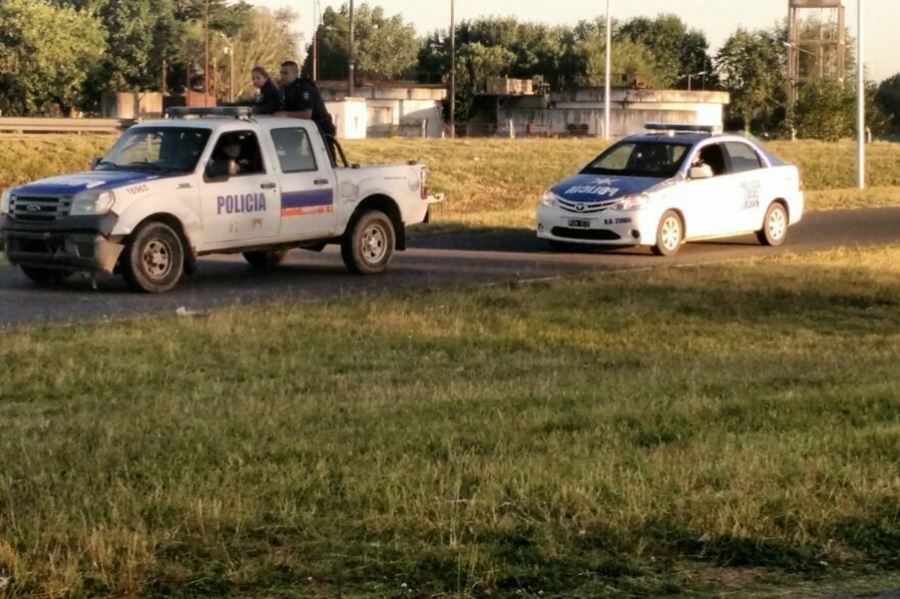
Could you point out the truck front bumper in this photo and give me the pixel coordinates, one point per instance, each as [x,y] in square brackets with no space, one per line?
[72,243]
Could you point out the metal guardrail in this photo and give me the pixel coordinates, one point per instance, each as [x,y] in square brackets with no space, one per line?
[54,125]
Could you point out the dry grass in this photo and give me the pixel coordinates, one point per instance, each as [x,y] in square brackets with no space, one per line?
[709,429]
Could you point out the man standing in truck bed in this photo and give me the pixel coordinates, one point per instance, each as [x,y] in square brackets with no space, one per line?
[303,100]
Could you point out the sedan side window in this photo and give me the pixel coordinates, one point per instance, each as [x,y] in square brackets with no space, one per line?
[712,156]
[743,157]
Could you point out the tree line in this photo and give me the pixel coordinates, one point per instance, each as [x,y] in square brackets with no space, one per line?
[56,55]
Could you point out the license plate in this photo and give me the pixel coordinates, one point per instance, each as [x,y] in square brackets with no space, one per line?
[577,223]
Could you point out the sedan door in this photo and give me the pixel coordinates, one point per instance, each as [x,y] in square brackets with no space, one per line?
[753,183]
[307,186]
[708,204]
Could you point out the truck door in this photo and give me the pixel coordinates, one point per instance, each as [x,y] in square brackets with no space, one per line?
[240,200]
[307,186]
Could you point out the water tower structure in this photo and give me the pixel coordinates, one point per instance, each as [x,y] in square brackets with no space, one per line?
[816,43]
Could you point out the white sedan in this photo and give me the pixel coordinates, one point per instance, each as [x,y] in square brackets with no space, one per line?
[671,185]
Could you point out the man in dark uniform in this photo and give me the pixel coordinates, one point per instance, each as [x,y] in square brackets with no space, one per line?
[302,100]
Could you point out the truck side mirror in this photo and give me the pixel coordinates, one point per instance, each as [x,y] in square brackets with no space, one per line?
[704,171]
[216,170]
[95,161]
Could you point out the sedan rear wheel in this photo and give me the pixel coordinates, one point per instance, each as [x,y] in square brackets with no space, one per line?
[775,226]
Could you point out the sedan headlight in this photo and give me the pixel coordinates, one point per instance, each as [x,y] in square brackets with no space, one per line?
[632,203]
[5,201]
[549,199]
[92,202]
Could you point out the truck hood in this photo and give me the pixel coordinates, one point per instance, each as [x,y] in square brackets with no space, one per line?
[599,188]
[76,183]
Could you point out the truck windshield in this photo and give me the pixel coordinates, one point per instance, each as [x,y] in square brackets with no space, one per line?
[163,149]
[639,159]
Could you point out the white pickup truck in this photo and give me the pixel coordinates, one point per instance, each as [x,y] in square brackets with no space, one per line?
[210,181]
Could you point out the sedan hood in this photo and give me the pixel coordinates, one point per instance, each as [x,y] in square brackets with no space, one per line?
[599,188]
[73,184]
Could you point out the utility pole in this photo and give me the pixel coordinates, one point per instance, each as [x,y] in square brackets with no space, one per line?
[350,53]
[452,69]
[608,94]
[205,52]
[315,42]
[860,102]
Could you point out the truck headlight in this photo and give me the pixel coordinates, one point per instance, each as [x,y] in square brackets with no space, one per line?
[92,202]
[632,203]
[5,201]
[549,199]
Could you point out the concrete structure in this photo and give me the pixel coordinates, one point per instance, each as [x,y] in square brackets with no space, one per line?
[581,112]
[131,105]
[349,117]
[394,108]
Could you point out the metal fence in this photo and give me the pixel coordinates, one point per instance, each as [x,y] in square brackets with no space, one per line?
[60,125]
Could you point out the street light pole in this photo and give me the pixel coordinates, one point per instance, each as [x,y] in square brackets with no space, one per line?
[452,68]
[350,53]
[315,42]
[205,52]
[860,103]
[608,94]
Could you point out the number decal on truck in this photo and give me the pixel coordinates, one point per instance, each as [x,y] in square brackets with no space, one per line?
[137,189]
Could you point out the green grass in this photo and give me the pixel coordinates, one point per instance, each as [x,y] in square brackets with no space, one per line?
[496,182]
[718,429]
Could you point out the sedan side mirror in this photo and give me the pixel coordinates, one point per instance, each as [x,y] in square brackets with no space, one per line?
[704,171]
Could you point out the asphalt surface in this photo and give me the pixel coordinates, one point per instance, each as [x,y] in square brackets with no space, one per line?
[438,260]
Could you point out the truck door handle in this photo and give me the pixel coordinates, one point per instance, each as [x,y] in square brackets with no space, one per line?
[320,182]
[268,186]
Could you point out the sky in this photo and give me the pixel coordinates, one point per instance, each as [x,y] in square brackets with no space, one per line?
[716,18]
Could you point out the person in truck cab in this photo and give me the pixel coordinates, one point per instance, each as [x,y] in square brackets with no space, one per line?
[231,157]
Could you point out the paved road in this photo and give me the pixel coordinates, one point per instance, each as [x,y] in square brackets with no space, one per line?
[434,260]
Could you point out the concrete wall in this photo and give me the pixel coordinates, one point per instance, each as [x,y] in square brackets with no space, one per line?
[394,109]
[131,105]
[581,112]
[350,118]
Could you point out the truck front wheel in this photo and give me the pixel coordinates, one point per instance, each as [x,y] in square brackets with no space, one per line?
[368,244]
[153,260]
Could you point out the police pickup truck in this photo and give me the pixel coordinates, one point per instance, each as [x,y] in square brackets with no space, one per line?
[210,181]
[673,184]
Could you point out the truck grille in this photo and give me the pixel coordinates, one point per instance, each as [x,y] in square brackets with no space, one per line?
[40,209]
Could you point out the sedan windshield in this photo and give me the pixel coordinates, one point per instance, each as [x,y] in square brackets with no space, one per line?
[158,149]
[639,159]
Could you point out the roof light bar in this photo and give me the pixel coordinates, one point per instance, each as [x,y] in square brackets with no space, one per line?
[237,112]
[674,127]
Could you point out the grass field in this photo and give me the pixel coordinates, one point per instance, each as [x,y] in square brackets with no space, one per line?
[494,182]
[728,429]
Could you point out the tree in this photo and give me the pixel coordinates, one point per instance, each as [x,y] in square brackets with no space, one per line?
[46,55]
[888,99]
[385,47]
[751,67]
[676,50]
[825,110]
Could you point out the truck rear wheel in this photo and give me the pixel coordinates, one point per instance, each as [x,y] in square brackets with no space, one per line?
[153,260]
[45,276]
[369,242]
[265,260]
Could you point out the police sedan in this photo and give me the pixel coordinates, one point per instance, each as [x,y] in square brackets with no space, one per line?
[670,185]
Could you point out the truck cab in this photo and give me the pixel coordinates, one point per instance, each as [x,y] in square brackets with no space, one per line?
[211,181]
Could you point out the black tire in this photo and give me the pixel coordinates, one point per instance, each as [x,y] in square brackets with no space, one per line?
[775,225]
[669,234]
[46,277]
[153,260]
[265,260]
[368,244]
